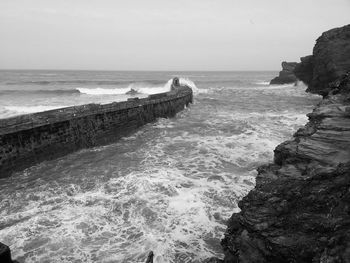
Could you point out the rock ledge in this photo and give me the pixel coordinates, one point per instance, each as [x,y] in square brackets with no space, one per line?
[299,210]
[286,75]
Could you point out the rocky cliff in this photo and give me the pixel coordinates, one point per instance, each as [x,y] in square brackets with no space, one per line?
[330,60]
[286,75]
[299,210]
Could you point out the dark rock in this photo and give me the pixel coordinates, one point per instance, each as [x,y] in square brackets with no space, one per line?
[286,76]
[132,92]
[299,210]
[175,84]
[304,69]
[150,257]
[5,254]
[330,61]
[213,260]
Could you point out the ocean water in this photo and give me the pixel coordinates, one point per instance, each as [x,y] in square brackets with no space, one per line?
[32,91]
[168,188]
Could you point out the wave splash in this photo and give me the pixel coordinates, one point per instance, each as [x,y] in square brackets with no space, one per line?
[140,88]
[32,109]
[168,188]
[135,88]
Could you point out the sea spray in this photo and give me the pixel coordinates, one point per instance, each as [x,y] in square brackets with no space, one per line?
[168,188]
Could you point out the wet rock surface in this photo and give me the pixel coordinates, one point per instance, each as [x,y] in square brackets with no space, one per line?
[304,70]
[286,75]
[299,210]
[29,139]
[5,254]
[329,61]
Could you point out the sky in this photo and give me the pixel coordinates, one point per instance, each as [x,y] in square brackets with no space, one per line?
[163,34]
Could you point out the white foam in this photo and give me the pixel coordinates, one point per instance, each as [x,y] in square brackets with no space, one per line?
[167,188]
[153,90]
[138,87]
[264,83]
[141,88]
[263,88]
[273,87]
[32,109]
[103,91]
[190,83]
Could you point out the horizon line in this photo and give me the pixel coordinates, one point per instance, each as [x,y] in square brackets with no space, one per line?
[139,70]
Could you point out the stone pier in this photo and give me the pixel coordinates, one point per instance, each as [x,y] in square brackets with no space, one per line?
[29,139]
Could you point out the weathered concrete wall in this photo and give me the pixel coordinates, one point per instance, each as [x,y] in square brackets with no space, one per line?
[32,138]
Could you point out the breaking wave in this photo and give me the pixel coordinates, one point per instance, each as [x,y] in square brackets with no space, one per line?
[40,91]
[140,88]
[122,91]
[136,87]
[131,89]
[32,109]
[168,188]
[264,83]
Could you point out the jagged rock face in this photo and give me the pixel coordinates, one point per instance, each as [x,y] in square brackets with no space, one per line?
[329,61]
[304,69]
[286,75]
[299,210]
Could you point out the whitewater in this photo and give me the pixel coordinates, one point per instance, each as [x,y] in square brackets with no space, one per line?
[168,188]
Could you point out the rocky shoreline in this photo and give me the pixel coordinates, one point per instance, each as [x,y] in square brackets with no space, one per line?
[286,75]
[299,210]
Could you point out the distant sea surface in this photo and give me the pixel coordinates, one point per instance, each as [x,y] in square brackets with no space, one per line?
[168,188]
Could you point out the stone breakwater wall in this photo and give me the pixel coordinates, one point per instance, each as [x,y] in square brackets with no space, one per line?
[32,138]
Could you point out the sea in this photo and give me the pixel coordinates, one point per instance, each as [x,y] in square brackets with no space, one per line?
[169,187]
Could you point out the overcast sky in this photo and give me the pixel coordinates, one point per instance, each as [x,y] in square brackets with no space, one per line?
[162,34]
